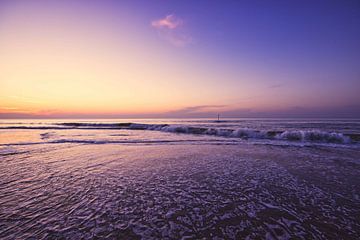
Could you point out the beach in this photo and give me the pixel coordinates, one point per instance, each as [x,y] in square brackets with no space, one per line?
[173,185]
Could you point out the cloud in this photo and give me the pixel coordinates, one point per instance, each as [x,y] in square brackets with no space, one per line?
[200,108]
[278,85]
[13,110]
[178,40]
[171,28]
[170,22]
[226,111]
[196,111]
[208,111]
[8,108]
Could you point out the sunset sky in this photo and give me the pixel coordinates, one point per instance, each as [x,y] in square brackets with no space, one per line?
[109,59]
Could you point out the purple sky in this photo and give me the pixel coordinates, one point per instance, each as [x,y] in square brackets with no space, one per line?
[179,59]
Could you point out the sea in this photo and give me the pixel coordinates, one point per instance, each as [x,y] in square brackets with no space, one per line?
[180,178]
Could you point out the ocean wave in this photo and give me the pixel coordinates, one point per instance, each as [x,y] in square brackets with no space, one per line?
[34,127]
[96,125]
[9,153]
[101,141]
[316,136]
[144,141]
[248,133]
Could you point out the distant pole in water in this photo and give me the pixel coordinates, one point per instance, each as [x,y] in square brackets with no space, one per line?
[218,117]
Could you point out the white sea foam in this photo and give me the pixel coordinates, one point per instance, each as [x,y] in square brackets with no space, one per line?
[223,130]
[244,133]
[247,133]
[314,136]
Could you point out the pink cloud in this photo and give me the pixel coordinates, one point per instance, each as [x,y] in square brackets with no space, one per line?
[171,28]
[170,22]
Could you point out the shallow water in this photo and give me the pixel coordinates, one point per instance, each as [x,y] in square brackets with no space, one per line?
[126,184]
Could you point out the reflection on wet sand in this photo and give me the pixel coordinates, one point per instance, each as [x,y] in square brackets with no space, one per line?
[74,191]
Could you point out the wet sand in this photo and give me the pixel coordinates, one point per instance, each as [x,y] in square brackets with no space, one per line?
[245,191]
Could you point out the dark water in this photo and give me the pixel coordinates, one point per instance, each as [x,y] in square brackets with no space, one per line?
[161,179]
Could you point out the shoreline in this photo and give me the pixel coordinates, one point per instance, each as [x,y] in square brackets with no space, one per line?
[169,191]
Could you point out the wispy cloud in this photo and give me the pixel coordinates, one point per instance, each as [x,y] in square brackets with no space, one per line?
[278,85]
[171,28]
[8,108]
[13,110]
[170,22]
[197,111]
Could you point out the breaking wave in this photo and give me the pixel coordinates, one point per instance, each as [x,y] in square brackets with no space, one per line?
[246,133]
[314,136]
[243,133]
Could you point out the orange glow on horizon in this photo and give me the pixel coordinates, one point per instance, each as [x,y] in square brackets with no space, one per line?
[65,57]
